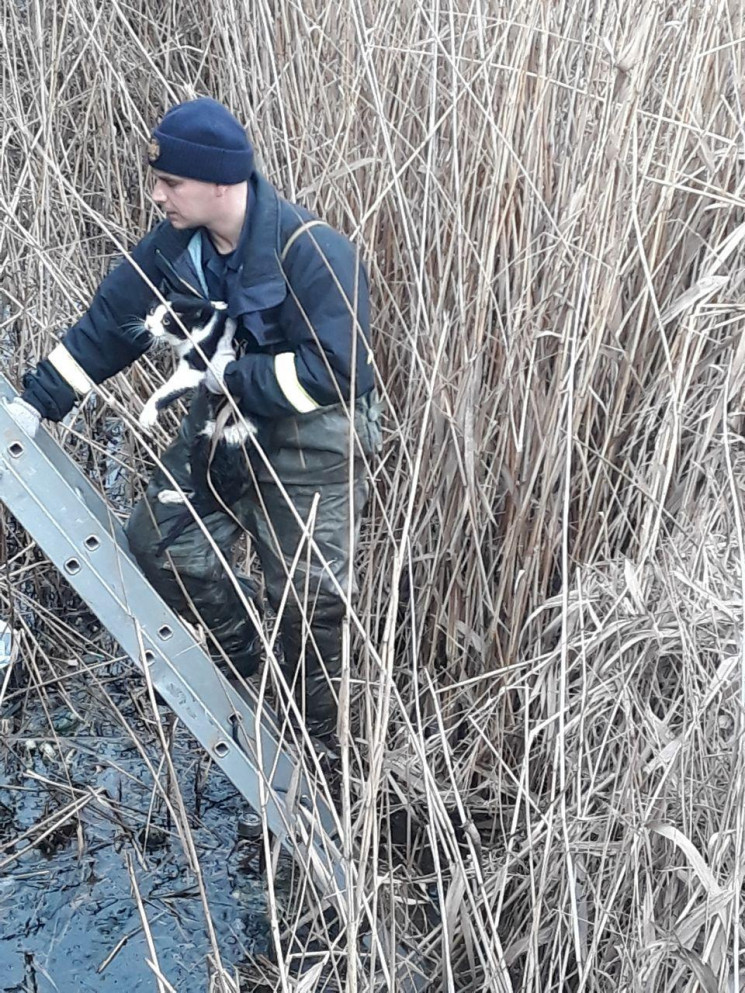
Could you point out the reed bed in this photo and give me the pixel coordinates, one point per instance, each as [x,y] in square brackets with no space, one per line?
[550,199]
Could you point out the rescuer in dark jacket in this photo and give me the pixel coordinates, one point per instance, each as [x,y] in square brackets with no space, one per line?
[298,293]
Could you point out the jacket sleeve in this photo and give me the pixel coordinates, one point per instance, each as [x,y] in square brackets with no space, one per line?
[326,323]
[107,338]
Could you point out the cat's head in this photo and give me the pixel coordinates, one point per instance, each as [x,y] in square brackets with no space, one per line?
[181,317]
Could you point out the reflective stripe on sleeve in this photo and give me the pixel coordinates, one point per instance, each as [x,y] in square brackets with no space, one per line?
[284,370]
[70,370]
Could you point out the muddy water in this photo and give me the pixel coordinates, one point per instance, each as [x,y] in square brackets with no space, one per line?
[68,918]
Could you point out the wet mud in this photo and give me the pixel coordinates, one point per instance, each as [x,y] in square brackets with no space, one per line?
[80,819]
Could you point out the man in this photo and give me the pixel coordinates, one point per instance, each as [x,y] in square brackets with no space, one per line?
[298,293]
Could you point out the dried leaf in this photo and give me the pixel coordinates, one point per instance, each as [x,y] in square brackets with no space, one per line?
[699,291]
[633,584]
[663,757]
[307,982]
[695,859]
[699,968]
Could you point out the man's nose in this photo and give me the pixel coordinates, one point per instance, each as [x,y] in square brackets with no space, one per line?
[159,193]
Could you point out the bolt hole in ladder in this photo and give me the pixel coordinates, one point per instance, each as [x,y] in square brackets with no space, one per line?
[67,517]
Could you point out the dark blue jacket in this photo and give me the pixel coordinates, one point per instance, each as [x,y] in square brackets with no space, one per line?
[304,299]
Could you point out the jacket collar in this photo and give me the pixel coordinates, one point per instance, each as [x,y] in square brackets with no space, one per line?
[261,250]
[172,242]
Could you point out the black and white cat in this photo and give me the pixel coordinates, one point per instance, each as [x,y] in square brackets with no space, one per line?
[186,322]
[217,460]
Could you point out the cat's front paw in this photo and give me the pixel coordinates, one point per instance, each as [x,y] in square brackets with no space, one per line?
[172,496]
[148,417]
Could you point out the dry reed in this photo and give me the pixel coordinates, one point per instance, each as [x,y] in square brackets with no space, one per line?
[550,197]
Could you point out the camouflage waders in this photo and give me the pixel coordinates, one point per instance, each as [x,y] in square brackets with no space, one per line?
[310,455]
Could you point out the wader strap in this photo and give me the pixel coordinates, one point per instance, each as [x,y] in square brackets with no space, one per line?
[221,419]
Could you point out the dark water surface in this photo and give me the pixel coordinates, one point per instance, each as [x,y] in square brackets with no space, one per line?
[67,903]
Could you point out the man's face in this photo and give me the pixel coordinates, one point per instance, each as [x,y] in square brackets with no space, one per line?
[188,203]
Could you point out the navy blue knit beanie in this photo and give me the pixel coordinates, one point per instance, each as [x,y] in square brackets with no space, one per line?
[201,139]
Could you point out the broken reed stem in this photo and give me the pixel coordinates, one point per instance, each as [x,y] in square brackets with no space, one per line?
[53,824]
[163,985]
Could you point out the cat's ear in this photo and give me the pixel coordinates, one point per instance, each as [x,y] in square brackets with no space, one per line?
[182,303]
